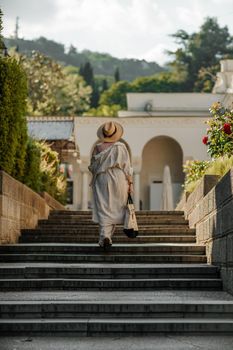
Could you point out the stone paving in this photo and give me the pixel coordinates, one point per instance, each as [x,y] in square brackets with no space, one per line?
[166,342]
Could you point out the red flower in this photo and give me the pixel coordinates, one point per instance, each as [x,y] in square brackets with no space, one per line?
[227,128]
[205,140]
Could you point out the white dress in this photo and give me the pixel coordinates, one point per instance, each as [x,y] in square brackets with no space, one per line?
[110,169]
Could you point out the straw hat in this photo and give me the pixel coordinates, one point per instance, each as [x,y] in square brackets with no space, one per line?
[110,132]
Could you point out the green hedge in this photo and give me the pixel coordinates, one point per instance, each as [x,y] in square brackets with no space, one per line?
[13,131]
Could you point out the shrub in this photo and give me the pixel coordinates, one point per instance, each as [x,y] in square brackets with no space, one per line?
[219,138]
[194,170]
[13,131]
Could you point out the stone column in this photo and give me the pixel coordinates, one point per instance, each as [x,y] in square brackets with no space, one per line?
[85,190]
[136,180]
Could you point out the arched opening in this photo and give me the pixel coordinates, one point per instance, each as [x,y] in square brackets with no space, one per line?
[158,152]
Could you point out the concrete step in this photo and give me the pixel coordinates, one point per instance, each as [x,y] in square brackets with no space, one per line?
[110,284]
[141,221]
[85,230]
[138,213]
[107,271]
[88,248]
[30,238]
[114,309]
[114,326]
[103,258]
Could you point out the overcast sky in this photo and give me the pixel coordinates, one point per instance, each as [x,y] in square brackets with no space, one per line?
[123,28]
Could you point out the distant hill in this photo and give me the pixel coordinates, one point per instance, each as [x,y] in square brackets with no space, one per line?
[102,63]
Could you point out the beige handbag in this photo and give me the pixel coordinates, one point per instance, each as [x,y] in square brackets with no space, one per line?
[130,223]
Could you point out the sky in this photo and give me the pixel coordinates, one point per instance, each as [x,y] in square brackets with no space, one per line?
[124,28]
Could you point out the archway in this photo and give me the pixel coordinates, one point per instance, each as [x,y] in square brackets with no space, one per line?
[158,152]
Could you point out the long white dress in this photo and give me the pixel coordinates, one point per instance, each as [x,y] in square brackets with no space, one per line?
[110,169]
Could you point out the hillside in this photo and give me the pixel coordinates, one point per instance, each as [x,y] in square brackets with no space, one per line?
[103,63]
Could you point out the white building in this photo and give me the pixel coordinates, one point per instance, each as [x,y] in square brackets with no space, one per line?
[159,129]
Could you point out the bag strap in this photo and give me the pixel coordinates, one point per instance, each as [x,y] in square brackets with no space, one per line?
[130,200]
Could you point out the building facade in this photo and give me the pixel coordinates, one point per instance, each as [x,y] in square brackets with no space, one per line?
[159,129]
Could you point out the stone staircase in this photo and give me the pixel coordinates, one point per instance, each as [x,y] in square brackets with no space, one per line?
[58,281]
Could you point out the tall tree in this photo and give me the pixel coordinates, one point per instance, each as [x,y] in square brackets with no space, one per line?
[200,50]
[87,72]
[1,27]
[104,85]
[117,75]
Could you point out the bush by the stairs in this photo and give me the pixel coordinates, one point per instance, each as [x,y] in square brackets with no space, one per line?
[42,170]
[195,170]
[219,138]
[13,125]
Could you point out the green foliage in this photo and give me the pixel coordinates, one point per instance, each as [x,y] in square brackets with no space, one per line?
[13,130]
[117,75]
[86,72]
[1,27]
[103,111]
[162,82]
[194,171]
[200,50]
[220,131]
[116,94]
[220,166]
[52,89]
[42,170]
[52,180]
[32,176]
[102,63]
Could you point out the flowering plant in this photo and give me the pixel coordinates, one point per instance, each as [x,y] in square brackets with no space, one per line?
[219,138]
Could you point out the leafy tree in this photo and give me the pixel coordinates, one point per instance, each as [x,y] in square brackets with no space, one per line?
[116,94]
[103,111]
[200,50]
[117,75]
[52,90]
[162,82]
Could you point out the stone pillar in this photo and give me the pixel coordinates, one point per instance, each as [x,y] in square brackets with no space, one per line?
[85,190]
[136,180]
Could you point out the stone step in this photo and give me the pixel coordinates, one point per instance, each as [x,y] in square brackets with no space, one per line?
[114,326]
[138,213]
[108,271]
[113,309]
[30,238]
[147,231]
[110,284]
[94,230]
[88,248]
[69,220]
[103,258]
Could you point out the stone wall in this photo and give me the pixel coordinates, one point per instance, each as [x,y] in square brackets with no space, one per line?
[20,207]
[210,210]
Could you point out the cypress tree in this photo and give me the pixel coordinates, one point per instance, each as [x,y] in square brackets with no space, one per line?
[104,85]
[87,72]
[13,130]
[117,75]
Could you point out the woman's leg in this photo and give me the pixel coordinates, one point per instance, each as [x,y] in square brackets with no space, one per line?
[105,234]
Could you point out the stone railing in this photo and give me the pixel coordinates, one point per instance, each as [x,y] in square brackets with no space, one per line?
[210,210]
[20,207]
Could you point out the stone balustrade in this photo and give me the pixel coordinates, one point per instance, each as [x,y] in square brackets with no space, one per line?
[210,210]
[21,207]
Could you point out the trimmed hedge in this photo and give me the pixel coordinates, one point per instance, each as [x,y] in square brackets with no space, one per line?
[13,131]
